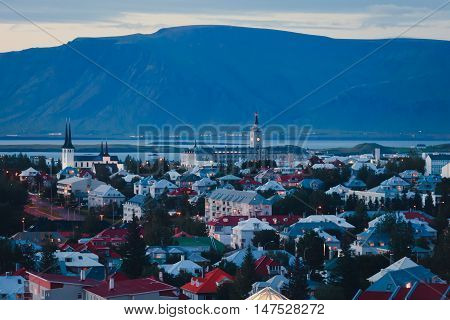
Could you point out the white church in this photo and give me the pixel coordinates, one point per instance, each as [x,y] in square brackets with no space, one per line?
[69,159]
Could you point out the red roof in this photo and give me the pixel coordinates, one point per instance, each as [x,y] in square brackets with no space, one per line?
[131,287]
[262,264]
[182,234]
[248,180]
[182,191]
[418,291]
[208,284]
[375,295]
[430,291]
[416,215]
[289,177]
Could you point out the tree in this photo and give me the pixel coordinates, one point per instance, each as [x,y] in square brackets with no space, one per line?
[400,234]
[346,275]
[246,274]
[49,262]
[429,204]
[311,248]
[360,218]
[441,256]
[267,239]
[134,251]
[229,267]
[228,291]
[298,286]
[157,230]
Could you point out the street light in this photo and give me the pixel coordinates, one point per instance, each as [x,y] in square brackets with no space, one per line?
[23,224]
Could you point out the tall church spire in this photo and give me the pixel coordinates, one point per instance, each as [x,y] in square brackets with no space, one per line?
[101,149]
[106,149]
[256,119]
[68,137]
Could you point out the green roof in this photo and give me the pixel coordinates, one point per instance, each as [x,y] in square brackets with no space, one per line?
[200,242]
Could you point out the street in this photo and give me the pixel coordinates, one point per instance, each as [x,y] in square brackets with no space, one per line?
[41,208]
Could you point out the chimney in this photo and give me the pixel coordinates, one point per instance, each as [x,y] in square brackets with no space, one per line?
[182,257]
[82,274]
[111,283]
[161,276]
[17,266]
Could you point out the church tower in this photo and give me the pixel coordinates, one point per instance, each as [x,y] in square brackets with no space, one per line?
[68,150]
[256,135]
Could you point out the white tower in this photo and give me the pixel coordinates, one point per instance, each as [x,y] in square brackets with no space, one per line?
[256,135]
[68,150]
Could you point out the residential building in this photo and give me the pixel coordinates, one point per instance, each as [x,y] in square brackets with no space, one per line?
[203,185]
[222,202]
[78,187]
[244,232]
[205,288]
[45,286]
[13,287]
[183,265]
[133,207]
[105,195]
[161,186]
[435,162]
[136,289]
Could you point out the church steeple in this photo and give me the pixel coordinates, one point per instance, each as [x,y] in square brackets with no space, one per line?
[106,149]
[256,119]
[68,137]
[101,149]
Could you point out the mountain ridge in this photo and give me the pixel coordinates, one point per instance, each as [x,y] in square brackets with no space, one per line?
[198,72]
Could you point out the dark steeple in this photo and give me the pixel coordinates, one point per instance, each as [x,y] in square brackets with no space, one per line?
[101,149]
[68,137]
[256,119]
[106,149]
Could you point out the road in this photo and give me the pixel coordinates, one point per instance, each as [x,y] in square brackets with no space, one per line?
[41,208]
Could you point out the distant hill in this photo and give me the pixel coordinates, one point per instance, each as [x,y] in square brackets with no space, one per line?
[222,74]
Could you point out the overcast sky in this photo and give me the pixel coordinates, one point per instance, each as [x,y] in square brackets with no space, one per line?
[68,19]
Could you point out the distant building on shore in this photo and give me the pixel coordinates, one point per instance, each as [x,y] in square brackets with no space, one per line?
[207,156]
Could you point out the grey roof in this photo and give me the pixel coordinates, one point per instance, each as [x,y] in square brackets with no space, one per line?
[138,199]
[249,197]
[402,277]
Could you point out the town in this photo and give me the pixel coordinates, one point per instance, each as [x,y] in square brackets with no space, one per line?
[251,224]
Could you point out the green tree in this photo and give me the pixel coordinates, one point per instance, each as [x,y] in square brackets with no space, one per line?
[134,251]
[400,234]
[246,275]
[311,248]
[268,239]
[228,291]
[49,262]
[298,286]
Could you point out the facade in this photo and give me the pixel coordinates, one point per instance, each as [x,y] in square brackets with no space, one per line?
[45,286]
[244,232]
[222,202]
[77,186]
[13,287]
[105,195]
[133,207]
[435,162]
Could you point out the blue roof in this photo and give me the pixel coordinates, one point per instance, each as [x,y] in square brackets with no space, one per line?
[138,199]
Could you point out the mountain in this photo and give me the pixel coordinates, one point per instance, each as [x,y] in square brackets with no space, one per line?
[221,75]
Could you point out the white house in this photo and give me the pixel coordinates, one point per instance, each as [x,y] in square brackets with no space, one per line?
[203,185]
[244,232]
[76,185]
[143,185]
[133,206]
[183,265]
[435,162]
[105,195]
[29,173]
[445,172]
[159,187]
[272,186]
[237,203]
